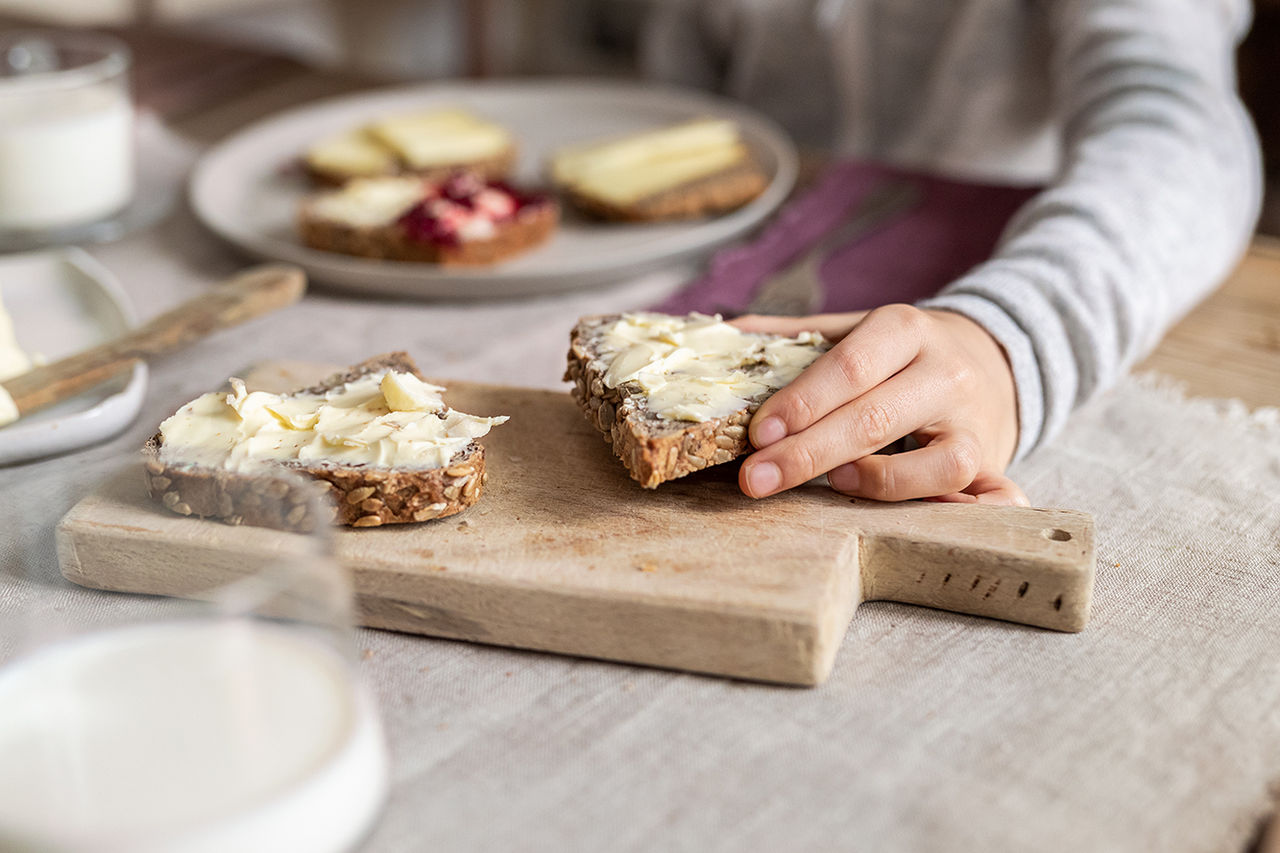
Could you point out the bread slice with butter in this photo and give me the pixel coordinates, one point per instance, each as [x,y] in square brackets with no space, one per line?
[433,144]
[673,395]
[376,438]
[692,169]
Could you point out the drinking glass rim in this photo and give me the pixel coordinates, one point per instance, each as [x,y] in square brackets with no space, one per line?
[114,59]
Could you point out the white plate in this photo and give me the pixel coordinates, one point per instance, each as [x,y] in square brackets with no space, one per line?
[247,191]
[63,301]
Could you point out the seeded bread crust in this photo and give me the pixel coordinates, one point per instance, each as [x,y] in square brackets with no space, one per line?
[653,450]
[717,193]
[495,168]
[389,242]
[361,495]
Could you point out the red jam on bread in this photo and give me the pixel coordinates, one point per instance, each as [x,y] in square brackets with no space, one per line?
[466,207]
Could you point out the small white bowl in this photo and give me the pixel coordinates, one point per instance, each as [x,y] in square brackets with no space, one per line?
[63,301]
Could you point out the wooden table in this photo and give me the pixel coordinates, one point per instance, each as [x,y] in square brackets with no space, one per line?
[1229,346]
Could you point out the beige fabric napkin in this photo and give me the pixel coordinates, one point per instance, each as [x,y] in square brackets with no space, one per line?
[1158,728]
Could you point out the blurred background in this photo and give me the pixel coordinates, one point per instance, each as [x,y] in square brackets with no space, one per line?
[289,51]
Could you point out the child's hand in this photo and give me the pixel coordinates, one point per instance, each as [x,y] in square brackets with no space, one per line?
[895,371]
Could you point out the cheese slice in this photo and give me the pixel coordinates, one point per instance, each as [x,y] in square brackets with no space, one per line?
[369,202]
[625,170]
[441,138]
[354,154]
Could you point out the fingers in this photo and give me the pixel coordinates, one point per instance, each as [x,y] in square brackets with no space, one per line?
[988,487]
[885,342]
[895,371]
[948,464]
[831,326]
[889,411]
[992,487]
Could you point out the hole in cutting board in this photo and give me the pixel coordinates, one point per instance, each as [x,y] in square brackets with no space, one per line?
[1057,534]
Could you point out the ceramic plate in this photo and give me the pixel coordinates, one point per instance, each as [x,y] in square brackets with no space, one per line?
[247,188]
[61,302]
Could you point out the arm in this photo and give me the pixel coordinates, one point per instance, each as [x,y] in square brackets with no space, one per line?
[1155,200]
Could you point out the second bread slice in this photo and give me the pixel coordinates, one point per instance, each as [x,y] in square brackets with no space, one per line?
[662,429]
[695,168]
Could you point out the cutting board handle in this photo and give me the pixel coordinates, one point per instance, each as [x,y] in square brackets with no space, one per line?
[1034,566]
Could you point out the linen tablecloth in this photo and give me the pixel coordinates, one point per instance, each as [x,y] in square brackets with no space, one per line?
[1157,728]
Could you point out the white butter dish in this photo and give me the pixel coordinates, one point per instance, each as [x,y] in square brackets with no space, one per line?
[63,301]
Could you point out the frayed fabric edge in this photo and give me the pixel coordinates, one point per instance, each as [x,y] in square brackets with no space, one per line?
[1232,409]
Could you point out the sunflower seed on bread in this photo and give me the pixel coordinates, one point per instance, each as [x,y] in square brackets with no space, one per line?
[378,441]
[673,395]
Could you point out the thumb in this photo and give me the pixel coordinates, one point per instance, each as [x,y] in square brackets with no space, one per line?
[988,487]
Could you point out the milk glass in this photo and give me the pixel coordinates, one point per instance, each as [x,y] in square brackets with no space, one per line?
[66,136]
[236,722]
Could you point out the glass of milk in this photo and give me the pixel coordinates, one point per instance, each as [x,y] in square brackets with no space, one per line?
[66,135]
[236,722]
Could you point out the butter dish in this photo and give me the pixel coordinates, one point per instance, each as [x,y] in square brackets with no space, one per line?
[60,302]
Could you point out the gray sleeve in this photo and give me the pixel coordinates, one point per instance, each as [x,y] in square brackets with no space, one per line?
[1155,200]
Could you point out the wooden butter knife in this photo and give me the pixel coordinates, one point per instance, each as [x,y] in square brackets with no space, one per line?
[249,294]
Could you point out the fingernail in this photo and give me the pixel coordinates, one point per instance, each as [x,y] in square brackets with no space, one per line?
[768,431]
[763,478]
[848,478]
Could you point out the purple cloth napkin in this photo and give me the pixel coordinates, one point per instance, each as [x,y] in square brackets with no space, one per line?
[909,256]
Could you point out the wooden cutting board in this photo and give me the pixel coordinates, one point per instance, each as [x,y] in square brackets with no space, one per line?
[565,553]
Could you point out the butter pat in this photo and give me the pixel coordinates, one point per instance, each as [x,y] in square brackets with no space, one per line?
[697,368]
[441,138]
[8,408]
[625,170]
[388,419]
[13,361]
[405,392]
